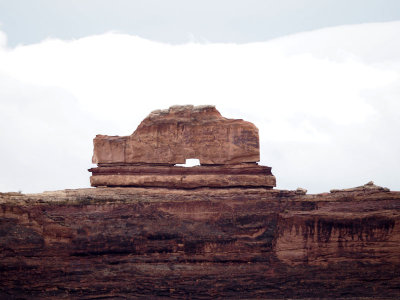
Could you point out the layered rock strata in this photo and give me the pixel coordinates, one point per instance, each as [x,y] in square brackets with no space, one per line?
[244,175]
[249,243]
[228,151]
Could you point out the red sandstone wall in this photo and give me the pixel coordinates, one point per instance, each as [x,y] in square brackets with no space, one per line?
[204,243]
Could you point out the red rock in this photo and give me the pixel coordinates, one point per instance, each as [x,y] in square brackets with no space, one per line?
[179,133]
[244,175]
[203,243]
[227,149]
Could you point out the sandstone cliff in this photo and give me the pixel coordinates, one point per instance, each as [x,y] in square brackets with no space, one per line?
[202,243]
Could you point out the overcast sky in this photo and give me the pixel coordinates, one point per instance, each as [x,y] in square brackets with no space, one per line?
[326,99]
[179,21]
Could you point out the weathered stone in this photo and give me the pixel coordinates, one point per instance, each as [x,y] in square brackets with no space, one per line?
[244,175]
[301,191]
[227,149]
[181,132]
[228,243]
[370,186]
[184,181]
[242,169]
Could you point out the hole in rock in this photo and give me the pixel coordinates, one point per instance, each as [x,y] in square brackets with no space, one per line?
[190,162]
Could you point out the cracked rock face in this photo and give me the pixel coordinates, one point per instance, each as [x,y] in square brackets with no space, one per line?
[181,132]
[206,243]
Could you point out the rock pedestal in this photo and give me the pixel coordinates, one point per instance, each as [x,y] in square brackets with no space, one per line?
[228,151]
[245,175]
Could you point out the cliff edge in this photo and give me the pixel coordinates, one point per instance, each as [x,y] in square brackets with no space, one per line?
[203,243]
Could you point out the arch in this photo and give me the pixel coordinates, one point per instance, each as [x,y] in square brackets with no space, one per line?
[190,162]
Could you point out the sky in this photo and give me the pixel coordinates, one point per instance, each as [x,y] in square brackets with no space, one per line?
[320,79]
[177,21]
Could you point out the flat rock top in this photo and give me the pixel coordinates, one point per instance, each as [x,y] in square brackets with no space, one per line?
[183,113]
[105,195]
[181,132]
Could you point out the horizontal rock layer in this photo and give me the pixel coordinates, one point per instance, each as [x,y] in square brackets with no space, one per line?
[243,169]
[245,175]
[201,243]
[183,181]
[181,132]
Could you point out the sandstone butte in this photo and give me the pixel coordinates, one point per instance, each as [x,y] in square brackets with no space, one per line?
[247,242]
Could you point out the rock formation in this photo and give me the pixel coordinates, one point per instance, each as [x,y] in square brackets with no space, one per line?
[228,151]
[228,243]
[217,230]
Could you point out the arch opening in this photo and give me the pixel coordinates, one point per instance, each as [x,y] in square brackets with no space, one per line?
[190,162]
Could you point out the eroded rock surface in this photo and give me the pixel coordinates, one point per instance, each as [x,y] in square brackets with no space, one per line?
[173,135]
[240,175]
[228,151]
[202,243]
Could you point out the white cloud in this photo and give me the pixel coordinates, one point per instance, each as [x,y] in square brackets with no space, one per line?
[3,40]
[326,107]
